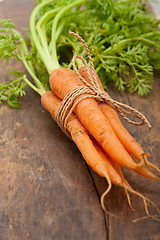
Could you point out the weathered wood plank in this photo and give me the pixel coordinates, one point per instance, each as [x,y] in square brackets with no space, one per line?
[46,191]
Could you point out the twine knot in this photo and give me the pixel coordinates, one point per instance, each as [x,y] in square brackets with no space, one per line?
[92,90]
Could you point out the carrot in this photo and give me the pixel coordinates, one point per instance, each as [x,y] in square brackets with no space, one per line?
[121,132]
[84,73]
[143,171]
[92,153]
[89,149]
[93,156]
[91,116]
[125,138]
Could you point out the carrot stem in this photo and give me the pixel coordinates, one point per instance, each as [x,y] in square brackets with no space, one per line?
[28,64]
[41,25]
[40,89]
[54,27]
[126,41]
[46,57]
[49,59]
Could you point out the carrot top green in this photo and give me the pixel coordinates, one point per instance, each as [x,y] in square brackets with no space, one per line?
[122,36]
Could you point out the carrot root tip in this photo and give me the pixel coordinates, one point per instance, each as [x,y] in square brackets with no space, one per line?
[129,199]
[104,195]
[149,165]
[106,191]
[145,200]
[155,217]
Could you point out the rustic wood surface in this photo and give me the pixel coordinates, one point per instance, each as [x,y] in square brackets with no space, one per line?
[46,189]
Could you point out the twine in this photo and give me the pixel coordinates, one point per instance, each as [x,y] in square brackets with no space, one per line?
[92,90]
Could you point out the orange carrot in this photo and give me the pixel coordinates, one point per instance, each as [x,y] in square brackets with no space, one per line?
[92,153]
[143,171]
[125,138]
[91,116]
[93,156]
[121,132]
[84,73]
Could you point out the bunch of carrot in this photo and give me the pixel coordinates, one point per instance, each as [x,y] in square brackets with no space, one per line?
[94,126]
[98,133]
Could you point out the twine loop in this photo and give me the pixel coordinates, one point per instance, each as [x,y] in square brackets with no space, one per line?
[92,90]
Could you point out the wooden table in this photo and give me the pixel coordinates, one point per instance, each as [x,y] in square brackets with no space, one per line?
[46,189]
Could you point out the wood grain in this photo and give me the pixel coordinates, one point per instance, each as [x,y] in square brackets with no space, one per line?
[46,189]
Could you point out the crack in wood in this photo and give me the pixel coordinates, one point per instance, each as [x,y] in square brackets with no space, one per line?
[98,195]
